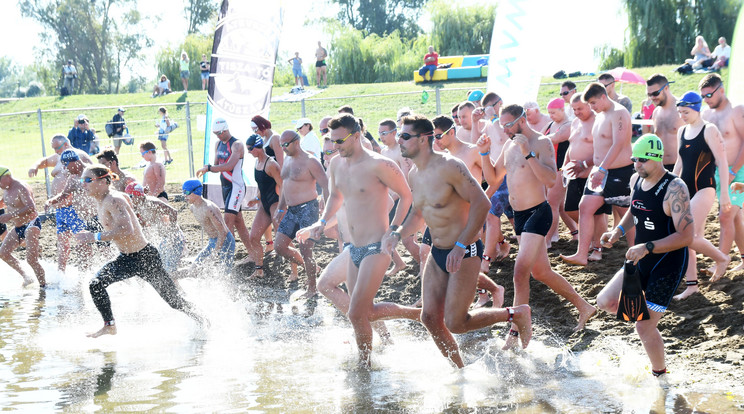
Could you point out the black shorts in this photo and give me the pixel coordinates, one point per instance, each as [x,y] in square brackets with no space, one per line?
[426,239]
[299,216]
[163,195]
[535,220]
[359,253]
[440,255]
[617,187]
[320,63]
[3,227]
[21,230]
[574,191]
[661,275]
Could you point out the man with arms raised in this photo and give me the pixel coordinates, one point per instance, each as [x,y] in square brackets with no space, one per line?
[528,162]
[360,180]
[65,214]
[387,131]
[20,211]
[137,257]
[454,206]
[299,200]
[608,182]
[665,117]
[730,121]
[661,211]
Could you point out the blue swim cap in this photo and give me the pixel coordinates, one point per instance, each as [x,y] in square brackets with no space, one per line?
[475,96]
[68,156]
[691,100]
[193,186]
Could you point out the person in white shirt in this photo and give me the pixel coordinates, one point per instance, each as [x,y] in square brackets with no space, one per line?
[722,52]
[309,141]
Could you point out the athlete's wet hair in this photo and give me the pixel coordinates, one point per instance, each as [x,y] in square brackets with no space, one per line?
[711,80]
[420,125]
[346,121]
[389,123]
[262,123]
[443,122]
[569,85]
[656,79]
[345,109]
[514,110]
[147,146]
[490,97]
[108,154]
[594,90]
[99,171]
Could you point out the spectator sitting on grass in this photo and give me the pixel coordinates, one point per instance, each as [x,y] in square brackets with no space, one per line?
[722,52]
[163,87]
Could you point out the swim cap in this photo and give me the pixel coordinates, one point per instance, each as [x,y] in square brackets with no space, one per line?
[556,103]
[649,146]
[193,185]
[475,96]
[68,156]
[219,125]
[134,189]
[254,141]
[4,170]
[691,100]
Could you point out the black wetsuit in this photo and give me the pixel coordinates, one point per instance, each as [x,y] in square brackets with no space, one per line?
[660,273]
[266,188]
[698,163]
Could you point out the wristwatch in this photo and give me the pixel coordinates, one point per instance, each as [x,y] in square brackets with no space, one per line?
[650,247]
[530,155]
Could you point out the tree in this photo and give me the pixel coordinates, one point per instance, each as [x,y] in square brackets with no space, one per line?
[194,45]
[99,36]
[199,12]
[462,30]
[382,16]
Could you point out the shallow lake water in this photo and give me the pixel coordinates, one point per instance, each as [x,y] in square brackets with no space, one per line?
[265,354]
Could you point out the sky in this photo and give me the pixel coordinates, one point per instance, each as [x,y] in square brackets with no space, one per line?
[567,46]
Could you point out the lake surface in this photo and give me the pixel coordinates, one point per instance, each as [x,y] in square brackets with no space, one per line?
[263,354]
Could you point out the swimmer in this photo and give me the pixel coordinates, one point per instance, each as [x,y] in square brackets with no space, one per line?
[154,175]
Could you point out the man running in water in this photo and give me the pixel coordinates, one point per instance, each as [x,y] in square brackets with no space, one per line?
[360,180]
[528,161]
[454,207]
[660,204]
[20,211]
[137,257]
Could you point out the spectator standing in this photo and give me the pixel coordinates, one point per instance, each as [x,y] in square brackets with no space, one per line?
[431,61]
[296,62]
[309,142]
[184,65]
[69,73]
[204,67]
[321,68]
[82,137]
[165,126]
[119,127]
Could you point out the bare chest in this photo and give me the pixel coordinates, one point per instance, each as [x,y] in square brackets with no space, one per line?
[295,170]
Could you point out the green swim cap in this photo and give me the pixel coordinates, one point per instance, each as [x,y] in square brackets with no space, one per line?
[4,170]
[649,146]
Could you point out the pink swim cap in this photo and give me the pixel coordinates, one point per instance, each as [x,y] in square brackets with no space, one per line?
[556,103]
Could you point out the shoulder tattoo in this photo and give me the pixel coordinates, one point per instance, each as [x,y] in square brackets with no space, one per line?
[679,198]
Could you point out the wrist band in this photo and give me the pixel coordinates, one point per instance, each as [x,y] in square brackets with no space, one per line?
[258,199]
[209,168]
[731,171]
[584,162]
[98,236]
[323,221]
[622,229]
[483,154]
[602,169]
[458,244]
[280,211]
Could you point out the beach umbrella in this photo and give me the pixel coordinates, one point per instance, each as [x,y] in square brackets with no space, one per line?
[627,75]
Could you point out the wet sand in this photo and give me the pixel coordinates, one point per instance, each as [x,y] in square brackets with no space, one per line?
[702,333]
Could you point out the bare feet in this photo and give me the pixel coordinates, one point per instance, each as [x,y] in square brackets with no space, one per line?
[396,268]
[269,248]
[739,267]
[418,303]
[257,274]
[584,316]
[575,235]
[244,261]
[497,296]
[689,291]
[309,294]
[504,249]
[485,266]
[522,325]
[595,256]
[721,268]
[106,330]
[483,299]
[574,259]
[27,281]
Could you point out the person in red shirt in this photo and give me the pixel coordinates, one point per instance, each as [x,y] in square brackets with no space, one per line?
[431,60]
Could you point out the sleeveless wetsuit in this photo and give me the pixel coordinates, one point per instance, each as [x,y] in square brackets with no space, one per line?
[266,188]
[698,163]
[660,273]
[233,186]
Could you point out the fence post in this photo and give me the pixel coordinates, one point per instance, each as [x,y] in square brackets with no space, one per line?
[439,102]
[188,139]
[43,153]
[302,102]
